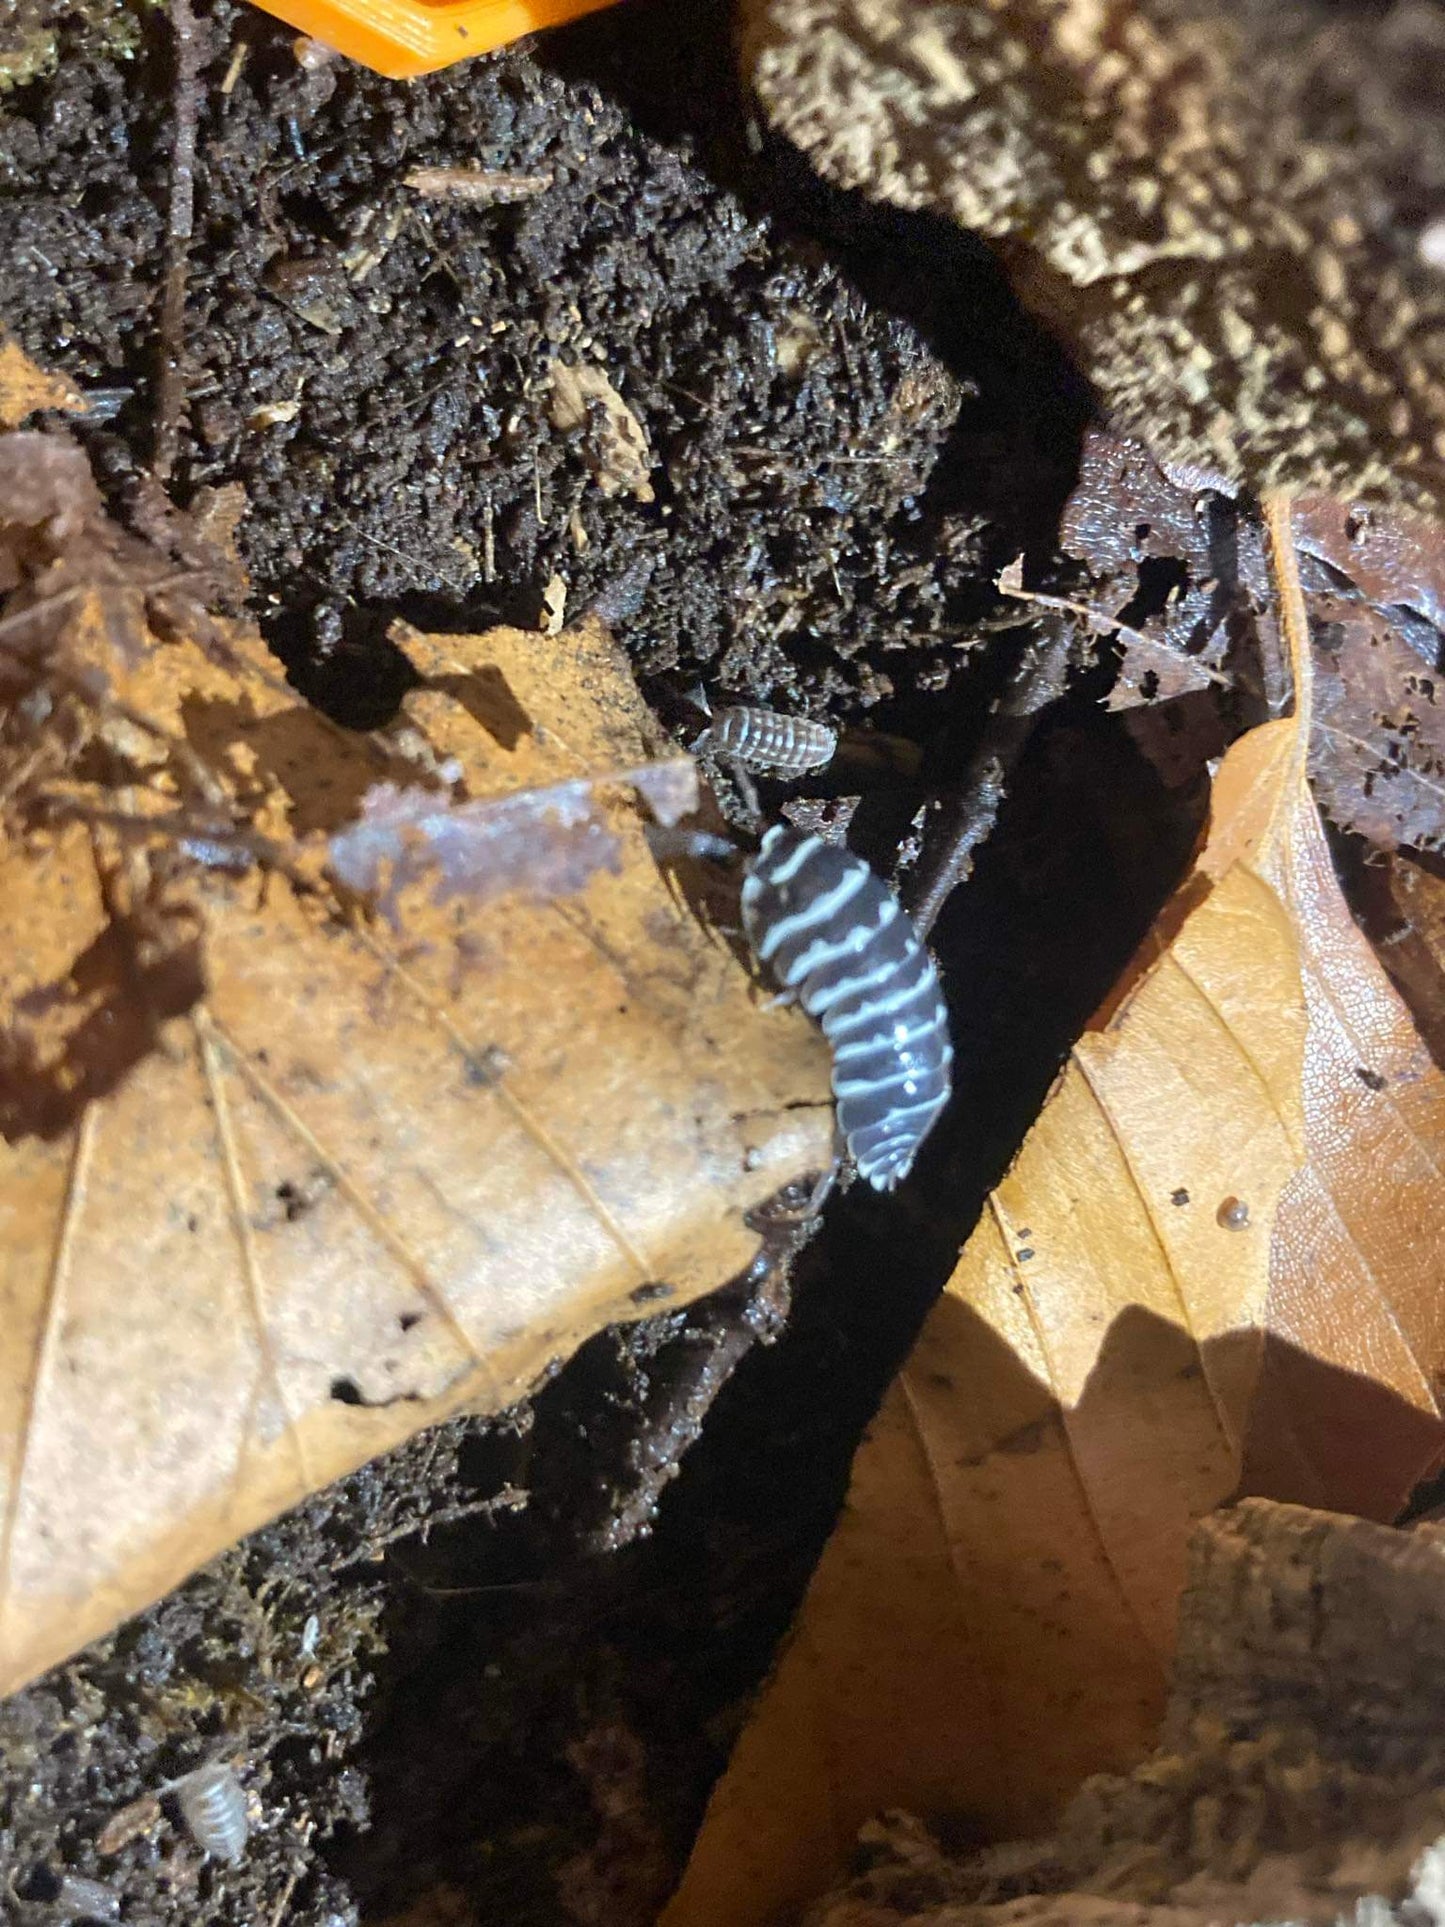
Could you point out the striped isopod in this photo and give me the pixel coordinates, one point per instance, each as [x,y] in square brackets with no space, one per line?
[213,1806]
[829,929]
[761,739]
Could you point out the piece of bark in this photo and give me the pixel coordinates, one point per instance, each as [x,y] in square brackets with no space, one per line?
[1215,203]
[1300,1776]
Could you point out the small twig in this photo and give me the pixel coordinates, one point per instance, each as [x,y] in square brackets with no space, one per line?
[278,1912]
[966,816]
[1294,622]
[491,187]
[725,1332]
[170,378]
[233,73]
[174,827]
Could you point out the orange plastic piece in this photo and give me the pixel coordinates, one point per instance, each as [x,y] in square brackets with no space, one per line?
[405,37]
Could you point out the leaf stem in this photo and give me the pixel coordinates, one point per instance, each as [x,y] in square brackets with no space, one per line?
[1278,506]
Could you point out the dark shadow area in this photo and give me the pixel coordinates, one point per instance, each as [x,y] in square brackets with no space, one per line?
[1327,1437]
[76,1039]
[504,1645]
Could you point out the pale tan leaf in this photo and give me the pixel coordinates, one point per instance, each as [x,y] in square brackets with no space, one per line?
[282,1182]
[25,389]
[1217,1259]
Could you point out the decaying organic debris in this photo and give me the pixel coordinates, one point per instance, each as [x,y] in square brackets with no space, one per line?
[1215,201]
[586,405]
[1299,1777]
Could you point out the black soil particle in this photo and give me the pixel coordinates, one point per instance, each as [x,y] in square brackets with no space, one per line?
[437,1679]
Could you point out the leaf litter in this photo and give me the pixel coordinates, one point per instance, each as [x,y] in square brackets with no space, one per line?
[1178,584]
[283,1183]
[1213,1267]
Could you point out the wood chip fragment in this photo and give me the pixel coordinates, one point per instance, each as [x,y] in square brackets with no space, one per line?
[489,186]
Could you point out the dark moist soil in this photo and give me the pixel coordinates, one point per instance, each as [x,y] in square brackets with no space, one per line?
[464,1672]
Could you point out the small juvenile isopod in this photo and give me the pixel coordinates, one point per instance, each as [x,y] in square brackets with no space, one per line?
[828,928]
[213,1806]
[761,739]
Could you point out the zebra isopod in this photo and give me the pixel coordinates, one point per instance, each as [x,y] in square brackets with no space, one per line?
[824,925]
[762,739]
[213,1806]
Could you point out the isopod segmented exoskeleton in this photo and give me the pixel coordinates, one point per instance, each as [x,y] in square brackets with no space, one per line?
[762,739]
[213,1806]
[828,928]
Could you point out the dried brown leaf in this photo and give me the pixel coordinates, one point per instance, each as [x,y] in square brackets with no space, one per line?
[1392,557]
[278,1185]
[1378,749]
[46,487]
[1215,1262]
[1170,560]
[544,842]
[1400,900]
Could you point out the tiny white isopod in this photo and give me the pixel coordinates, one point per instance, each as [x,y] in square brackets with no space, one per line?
[213,1806]
[763,739]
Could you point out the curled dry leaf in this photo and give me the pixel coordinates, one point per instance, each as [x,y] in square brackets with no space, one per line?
[1170,674]
[1215,1264]
[1401,902]
[280,1184]
[614,444]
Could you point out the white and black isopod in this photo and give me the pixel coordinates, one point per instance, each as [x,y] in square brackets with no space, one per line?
[828,928]
[213,1806]
[762,739]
